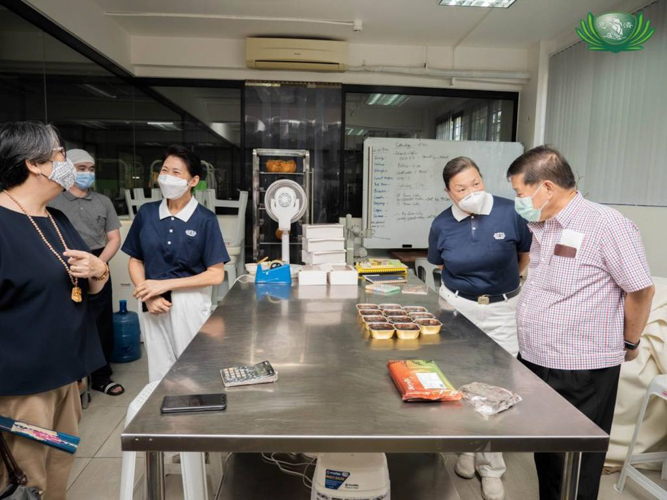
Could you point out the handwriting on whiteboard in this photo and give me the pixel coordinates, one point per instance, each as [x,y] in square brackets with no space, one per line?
[404,192]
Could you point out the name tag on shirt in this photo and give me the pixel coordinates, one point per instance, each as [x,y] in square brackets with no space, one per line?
[569,244]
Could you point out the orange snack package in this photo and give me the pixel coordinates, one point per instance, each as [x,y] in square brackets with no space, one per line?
[420,380]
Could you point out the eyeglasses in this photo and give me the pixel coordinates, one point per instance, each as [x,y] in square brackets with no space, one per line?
[61,150]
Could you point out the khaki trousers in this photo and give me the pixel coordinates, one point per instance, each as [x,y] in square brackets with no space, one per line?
[47,468]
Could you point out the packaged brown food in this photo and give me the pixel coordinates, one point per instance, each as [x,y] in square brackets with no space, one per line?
[428,326]
[415,309]
[407,331]
[420,380]
[381,331]
[372,319]
[399,319]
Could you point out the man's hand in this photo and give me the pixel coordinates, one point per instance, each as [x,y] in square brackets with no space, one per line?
[630,355]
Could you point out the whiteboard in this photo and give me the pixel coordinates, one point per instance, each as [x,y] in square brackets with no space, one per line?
[404,190]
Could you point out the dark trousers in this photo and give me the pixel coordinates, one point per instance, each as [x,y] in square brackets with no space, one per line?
[593,393]
[101,306]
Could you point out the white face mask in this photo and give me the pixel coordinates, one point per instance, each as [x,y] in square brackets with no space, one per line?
[172,187]
[63,173]
[473,203]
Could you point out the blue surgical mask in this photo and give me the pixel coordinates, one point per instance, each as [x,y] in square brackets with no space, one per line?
[525,208]
[84,180]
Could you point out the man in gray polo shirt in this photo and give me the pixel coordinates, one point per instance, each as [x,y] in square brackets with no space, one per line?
[94,217]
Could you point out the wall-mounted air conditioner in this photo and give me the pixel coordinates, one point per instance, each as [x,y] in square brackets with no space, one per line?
[296,54]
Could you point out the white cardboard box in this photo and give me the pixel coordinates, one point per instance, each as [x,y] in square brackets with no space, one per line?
[331,257]
[323,231]
[323,245]
[312,275]
[343,275]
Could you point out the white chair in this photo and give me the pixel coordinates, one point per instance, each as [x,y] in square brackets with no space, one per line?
[424,271]
[233,230]
[134,198]
[202,197]
[193,466]
[657,387]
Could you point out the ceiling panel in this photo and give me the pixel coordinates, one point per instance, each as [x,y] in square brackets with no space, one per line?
[401,22]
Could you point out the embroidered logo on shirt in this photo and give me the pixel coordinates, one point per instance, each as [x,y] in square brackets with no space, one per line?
[191,233]
[499,236]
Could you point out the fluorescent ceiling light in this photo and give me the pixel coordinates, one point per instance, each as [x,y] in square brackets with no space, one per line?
[98,91]
[355,131]
[168,126]
[387,99]
[503,4]
[93,124]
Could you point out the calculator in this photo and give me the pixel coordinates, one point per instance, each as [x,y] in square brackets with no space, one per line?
[261,373]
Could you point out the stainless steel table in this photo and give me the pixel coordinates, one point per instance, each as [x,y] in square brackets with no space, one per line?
[334,393]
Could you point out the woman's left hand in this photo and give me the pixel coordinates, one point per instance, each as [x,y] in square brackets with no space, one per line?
[151,288]
[84,264]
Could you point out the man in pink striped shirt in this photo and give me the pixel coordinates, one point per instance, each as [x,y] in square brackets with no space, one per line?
[585,303]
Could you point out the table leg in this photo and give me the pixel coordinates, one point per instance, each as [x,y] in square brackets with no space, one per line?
[155,475]
[570,485]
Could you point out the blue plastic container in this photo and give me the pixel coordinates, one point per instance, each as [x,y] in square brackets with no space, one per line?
[127,335]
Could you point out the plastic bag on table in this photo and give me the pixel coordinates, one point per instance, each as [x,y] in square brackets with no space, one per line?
[488,399]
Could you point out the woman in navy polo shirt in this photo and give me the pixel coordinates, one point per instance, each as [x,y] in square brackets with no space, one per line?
[482,245]
[176,254]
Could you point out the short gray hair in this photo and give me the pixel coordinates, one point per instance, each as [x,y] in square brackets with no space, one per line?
[22,142]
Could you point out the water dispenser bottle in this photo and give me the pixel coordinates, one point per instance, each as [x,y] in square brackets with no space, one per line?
[127,335]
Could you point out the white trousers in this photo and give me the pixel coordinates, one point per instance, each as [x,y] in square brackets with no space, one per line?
[498,321]
[167,335]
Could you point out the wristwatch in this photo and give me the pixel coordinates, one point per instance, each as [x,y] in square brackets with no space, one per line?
[104,275]
[630,346]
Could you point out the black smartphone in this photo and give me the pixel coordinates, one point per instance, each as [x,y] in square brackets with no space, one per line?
[194,403]
[166,295]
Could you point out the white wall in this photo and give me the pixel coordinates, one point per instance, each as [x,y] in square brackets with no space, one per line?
[86,20]
[533,97]
[225,59]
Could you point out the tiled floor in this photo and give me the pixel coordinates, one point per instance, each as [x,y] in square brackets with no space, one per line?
[96,472]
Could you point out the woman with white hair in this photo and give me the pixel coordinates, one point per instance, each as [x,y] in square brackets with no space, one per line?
[92,214]
[47,334]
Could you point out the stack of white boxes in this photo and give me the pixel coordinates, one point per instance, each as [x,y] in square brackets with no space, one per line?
[324,255]
[323,244]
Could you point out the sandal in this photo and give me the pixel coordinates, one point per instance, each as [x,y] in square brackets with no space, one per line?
[108,388]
